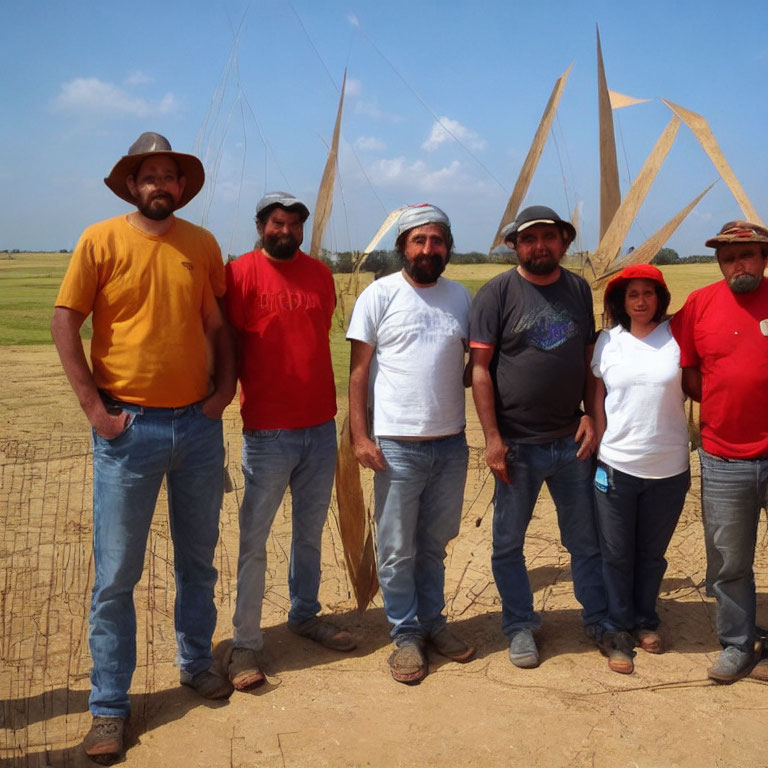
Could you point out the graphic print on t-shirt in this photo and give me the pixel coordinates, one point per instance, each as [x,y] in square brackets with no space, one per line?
[548,327]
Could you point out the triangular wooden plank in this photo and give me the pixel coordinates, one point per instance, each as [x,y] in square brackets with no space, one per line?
[703,133]
[644,253]
[532,159]
[619,100]
[622,221]
[324,203]
[610,192]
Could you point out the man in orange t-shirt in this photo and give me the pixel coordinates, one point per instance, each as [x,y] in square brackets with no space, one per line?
[151,283]
[280,302]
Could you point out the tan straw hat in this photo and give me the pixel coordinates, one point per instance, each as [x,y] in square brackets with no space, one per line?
[145,146]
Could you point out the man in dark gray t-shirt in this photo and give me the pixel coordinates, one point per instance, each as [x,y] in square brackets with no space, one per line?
[531,335]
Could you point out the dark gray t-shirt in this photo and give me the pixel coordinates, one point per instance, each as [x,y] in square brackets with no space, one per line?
[539,333]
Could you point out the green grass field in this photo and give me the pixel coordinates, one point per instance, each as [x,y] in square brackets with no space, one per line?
[29,283]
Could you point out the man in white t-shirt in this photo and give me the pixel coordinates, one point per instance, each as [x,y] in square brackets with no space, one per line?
[409,337]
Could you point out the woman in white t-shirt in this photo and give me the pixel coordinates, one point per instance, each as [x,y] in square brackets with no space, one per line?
[642,474]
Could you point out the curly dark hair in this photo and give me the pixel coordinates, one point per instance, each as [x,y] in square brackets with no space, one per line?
[616,313]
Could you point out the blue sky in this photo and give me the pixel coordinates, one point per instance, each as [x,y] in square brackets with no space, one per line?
[252,88]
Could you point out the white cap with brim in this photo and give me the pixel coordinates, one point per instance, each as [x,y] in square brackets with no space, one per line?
[420,214]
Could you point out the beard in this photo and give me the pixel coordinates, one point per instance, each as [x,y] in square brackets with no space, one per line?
[743,283]
[157,207]
[539,265]
[424,269]
[281,247]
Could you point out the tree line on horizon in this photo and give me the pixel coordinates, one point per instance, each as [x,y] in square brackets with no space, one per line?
[382,262]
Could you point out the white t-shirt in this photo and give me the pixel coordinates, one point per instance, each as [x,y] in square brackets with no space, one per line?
[420,335]
[647,433]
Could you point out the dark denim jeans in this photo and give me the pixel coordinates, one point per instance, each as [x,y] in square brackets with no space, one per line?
[569,482]
[732,493]
[186,448]
[636,517]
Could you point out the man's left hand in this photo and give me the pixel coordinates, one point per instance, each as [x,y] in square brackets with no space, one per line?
[587,436]
[213,406]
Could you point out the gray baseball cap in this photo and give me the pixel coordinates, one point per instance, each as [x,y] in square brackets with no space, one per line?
[284,200]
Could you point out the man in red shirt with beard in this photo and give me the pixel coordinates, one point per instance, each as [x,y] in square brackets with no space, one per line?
[280,302]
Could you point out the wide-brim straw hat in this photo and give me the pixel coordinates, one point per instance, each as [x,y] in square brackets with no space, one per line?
[145,146]
[739,231]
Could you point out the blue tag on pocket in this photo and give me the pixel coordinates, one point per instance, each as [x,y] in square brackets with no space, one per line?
[601,480]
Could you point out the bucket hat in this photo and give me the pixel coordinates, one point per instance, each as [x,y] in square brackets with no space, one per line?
[145,146]
[635,272]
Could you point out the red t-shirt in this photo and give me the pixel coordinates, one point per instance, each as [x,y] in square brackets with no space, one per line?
[719,332]
[282,312]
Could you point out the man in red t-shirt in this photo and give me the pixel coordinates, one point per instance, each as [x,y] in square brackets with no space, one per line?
[722,331]
[280,302]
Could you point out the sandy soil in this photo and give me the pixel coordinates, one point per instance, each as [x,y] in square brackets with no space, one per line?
[322,708]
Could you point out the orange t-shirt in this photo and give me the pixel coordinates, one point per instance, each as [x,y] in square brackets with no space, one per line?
[151,298]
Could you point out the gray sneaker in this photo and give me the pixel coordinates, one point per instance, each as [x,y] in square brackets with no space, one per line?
[732,664]
[522,650]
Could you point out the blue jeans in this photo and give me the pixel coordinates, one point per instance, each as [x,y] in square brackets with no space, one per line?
[732,492]
[186,448]
[569,481]
[418,511]
[636,517]
[273,460]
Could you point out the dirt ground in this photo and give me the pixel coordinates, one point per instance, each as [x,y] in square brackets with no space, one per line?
[322,708]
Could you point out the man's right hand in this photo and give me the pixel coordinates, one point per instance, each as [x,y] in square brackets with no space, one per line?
[496,458]
[369,454]
[108,425]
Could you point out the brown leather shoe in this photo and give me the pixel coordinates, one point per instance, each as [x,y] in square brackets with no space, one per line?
[243,669]
[619,648]
[325,633]
[760,671]
[105,742]
[447,644]
[649,640]
[208,684]
[407,663]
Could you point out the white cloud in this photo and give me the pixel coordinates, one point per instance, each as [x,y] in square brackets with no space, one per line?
[89,94]
[138,78]
[391,172]
[372,109]
[353,88]
[445,129]
[370,144]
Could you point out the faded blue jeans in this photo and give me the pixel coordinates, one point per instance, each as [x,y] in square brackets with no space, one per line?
[418,511]
[732,493]
[637,517]
[273,460]
[186,448]
[569,481]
